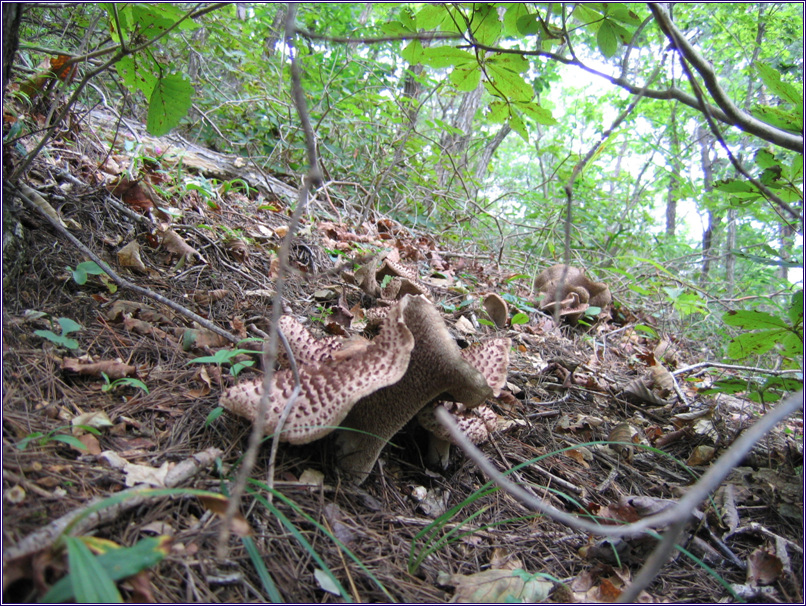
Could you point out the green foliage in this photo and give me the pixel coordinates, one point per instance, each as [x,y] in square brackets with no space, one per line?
[169,103]
[110,385]
[84,269]
[766,331]
[225,356]
[92,577]
[67,326]
[54,435]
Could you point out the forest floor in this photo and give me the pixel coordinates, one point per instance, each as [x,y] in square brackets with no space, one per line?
[410,533]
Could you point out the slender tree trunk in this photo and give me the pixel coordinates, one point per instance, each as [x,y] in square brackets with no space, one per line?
[454,146]
[12,13]
[483,162]
[730,257]
[674,178]
[706,142]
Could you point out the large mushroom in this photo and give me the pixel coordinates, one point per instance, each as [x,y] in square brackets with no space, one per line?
[373,389]
[570,290]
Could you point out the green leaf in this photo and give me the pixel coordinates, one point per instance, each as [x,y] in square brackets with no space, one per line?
[485,24]
[413,52]
[647,329]
[446,56]
[23,444]
[690,303]
[735,186]
[766,159]
[512,62]
[514,13]
[519,318]
[137,77]
[607,38]
[466,79]
[57,339]
[752,319]
[585,15]
[795,311]
[262,572]
[541,115]
[784,90]
[622,12]
[754,343]
[499,111]
[728,386]
[517,124]
[118,563]
[529,25]
[79,275]
[213,415]
[68,325]
[69,440]
[431,16]
[792,345]
[509,84]
[91,583]
[779,117]
[169,103]
[394,28]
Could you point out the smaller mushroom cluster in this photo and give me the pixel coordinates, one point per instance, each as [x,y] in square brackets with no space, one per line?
[569,290]
[371,389]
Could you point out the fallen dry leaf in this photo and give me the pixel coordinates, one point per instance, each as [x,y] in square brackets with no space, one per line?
[129,256]
[218,505]
[496,587]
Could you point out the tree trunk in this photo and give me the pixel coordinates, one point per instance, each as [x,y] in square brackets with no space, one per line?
[674,178]
[483,162]
[706,142]
[12,13]
[730,257]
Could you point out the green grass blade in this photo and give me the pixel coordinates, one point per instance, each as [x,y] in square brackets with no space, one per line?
[91,583]
[260,566]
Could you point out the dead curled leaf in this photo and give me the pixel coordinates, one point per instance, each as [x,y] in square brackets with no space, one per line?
[218,505]
[763,568]
[177,245]
[129,256]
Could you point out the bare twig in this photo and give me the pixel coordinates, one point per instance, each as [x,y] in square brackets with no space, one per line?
[270,347]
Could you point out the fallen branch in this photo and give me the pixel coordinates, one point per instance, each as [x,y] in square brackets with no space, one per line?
[676,516]
[46,536]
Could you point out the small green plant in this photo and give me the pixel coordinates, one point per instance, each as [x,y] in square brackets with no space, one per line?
[225,356]
[67,326]
[91,268]
[238,185]
[324,313]
[110,385]
[55,435]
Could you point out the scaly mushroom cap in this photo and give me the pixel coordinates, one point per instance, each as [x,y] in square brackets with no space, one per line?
[375,387]
[329,385]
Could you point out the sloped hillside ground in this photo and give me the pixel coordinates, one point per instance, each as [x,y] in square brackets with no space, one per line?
[216,254]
